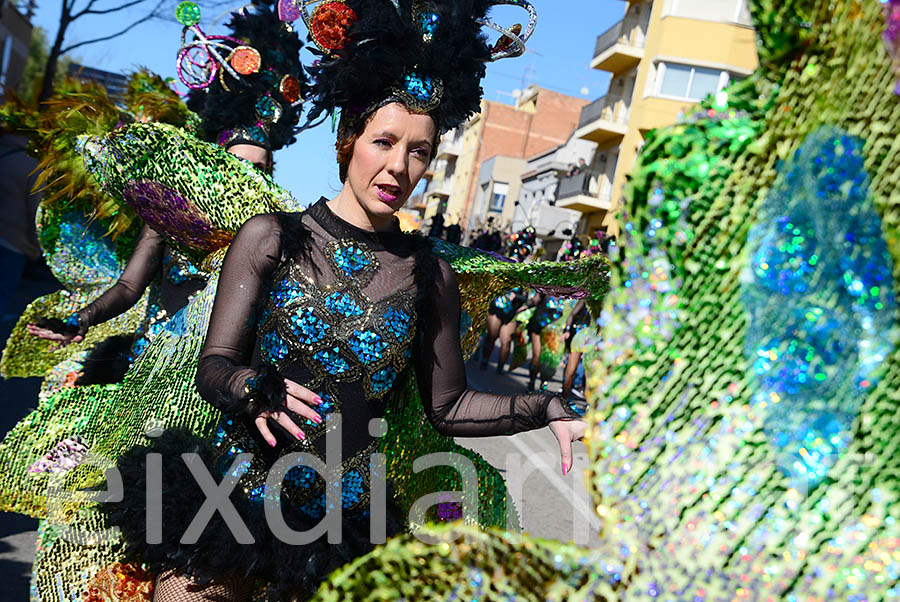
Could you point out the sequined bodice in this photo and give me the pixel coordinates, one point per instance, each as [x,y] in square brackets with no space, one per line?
[338,318]
[334,308]
[337,332]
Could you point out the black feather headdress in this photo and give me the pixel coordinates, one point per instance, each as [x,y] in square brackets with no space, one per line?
[255,93]
[429,55]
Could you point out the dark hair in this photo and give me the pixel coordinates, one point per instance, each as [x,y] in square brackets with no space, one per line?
[349,131]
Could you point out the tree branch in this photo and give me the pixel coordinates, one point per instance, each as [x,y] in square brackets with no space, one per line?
[106,11]
[143,19]
[83,11]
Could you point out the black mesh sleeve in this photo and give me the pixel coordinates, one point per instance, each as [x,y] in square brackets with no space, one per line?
[451,406]
[223,370]
[140,271]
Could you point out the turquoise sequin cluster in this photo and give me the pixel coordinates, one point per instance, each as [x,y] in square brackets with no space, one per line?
[308,327]
[343,304]
[421,87]
[343,336]
[351,259]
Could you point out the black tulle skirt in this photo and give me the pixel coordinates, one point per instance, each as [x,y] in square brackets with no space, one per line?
[217,554]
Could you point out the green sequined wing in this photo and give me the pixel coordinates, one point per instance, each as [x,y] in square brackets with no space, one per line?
[107,419]
[195,194]
[86,236]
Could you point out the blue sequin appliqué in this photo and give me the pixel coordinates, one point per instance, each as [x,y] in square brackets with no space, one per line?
[397,322]
[307,327]
[274,348]
[301,477]
[343,305]
[285,292]
[332,360]
[383,380]
[351,259]
[420,86]
[368,346]
[353,487]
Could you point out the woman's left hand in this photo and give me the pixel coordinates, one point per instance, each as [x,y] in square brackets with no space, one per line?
[567,431]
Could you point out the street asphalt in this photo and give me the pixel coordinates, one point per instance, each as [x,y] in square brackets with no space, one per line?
[551,506]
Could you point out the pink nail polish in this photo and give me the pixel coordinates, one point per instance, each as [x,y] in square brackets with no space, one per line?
[317,399]
[271,442]
[565,469]
[300,435]
[317,419]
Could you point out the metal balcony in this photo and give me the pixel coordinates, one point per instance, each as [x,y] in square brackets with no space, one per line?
[439,188]
[450,146]
[575,192]
[604,120]
[620,48]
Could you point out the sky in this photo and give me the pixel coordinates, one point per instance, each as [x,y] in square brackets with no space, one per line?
[558,58]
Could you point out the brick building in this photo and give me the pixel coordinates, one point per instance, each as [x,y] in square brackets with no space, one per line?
[540,120]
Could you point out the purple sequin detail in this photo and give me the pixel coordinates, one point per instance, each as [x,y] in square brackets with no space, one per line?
[167,211]
[572,292]
[497,256]
[449,512]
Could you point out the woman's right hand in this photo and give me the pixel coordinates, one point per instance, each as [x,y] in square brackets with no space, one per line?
[300,401]
[63,338]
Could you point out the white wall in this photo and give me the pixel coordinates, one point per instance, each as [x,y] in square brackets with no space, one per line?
[725,11]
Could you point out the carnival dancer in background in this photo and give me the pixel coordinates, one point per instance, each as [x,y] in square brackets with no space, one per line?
[578,320]
[251,118]
[548,309]
[501,321]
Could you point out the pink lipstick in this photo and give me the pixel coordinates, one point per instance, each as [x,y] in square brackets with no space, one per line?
[388,194]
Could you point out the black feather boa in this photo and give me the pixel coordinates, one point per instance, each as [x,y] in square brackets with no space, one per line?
[107,362]
[217,555]
[270,394]
[385,44]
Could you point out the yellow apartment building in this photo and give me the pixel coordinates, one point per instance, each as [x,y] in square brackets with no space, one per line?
[664,57]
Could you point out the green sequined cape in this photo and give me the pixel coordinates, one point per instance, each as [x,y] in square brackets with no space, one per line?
[86,236]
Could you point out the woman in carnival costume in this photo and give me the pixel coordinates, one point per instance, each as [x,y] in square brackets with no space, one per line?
[231,117]
[547,310]
[320,316]
[85,237]
[227,119]
[199,197]
[581,331]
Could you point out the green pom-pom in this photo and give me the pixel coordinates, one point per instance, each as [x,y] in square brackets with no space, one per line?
[187,13]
